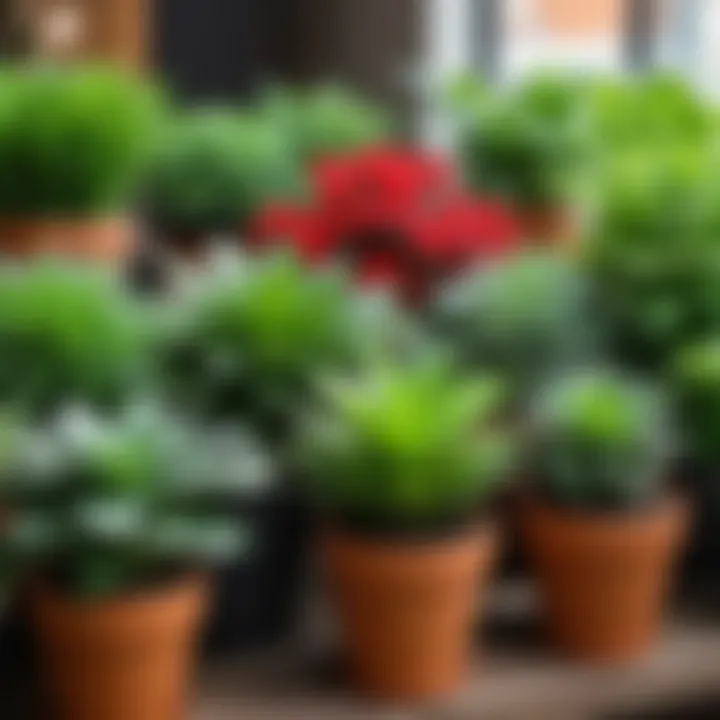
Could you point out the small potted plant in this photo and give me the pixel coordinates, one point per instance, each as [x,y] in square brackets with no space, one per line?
[695,380]
[117,517]
[73,146]
[400,463]
[69,333]
[529,145]
[527,316]
[215,168]
[657,294]
[249,341]
[601,525]
[325,120]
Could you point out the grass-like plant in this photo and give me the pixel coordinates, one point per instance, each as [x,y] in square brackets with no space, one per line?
[601,441]
[215,169]
[74,142]
[403,449]
[69,333]
[102,505]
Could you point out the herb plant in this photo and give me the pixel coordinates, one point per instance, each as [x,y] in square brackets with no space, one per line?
[105,505]
[402,448]
[601,441]
[74,142]
[69,333]
[215,169]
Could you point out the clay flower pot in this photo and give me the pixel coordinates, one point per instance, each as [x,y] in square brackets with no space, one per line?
[119,659]
[549,226]
[108,240]
[604,577]
[407,609]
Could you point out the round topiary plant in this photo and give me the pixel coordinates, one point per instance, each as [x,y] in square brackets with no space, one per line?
[215,169]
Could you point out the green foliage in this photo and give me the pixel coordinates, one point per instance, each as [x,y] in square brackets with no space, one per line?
[215,169]
[526,317]
[326,120]
[402,448]
[73,141]
[695,380]
[655,252]
[601,440]
[528,144]
[106,505]
[250,339]
[652,111]
[68,333]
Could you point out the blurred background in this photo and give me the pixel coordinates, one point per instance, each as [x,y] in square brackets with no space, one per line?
[394,51]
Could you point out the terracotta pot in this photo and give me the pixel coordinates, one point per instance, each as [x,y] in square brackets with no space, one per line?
[407,610]
[119,659]
[604,578]
[549,225]
[108,240]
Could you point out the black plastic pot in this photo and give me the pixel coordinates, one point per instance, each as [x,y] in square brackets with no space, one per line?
[258,598]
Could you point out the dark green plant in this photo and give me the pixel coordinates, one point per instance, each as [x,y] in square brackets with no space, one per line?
[106,505]
[655,252]
[73,141]
[402,448]
[528,144]
[215,169]
[249,341]
[69,333]
[326,120]
[695,380]
[526,317]
[601,440]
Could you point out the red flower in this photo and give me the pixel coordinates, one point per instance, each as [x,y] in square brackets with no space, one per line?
[397,215]
[286,223]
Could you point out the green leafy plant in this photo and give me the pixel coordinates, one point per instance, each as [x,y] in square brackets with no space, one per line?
[655,252]
[215,169]
[74,142]
[695,380]
[402,448]
[326,120]
[601,441]
[526,317]
[104,505]
[250,339]
[68,333]
[528,144]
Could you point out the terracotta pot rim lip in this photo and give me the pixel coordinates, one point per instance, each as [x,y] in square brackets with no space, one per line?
[485,529]
[177,583]
[667,502]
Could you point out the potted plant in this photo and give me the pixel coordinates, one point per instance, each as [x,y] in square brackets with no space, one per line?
[601,525]
[73,145]
[530,145]
[117,516]
[657,294]
[248,342]
[69,333]
[325,120]
[213,171]
[694,376]
[400,463]
[527,316]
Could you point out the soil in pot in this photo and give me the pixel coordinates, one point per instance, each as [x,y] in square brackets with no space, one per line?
[108,240]
[124,658]
[604,577]
[407,609]
[258,598]
[548,226]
